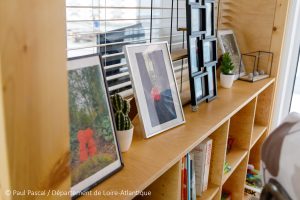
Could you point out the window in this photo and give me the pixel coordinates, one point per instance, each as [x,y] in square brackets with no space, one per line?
[105,26]
[295,105]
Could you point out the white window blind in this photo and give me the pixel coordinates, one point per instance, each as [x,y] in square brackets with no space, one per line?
[105,26]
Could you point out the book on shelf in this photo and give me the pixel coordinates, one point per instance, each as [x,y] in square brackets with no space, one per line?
[202,157]
[188,186]
[188,176]
[193,177]
[183,179]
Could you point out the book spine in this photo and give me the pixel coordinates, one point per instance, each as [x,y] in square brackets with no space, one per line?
[183,183]
[188,177]
[199,168]
[208,149]
[184,195]
[193,177]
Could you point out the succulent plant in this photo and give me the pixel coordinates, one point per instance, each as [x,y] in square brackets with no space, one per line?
[121,109]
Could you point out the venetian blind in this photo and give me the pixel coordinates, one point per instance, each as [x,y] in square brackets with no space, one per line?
[105,26]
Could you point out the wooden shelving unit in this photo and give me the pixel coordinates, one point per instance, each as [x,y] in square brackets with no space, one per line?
[34,113]
[154,164]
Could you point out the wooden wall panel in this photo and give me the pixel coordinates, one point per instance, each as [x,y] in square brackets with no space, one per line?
[4,172]
[34,78]
[252,22]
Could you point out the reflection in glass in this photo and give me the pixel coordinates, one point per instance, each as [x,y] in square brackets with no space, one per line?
[194,54]
[211,84]
[208,51]
[209,19]
[199,87]
[195,20]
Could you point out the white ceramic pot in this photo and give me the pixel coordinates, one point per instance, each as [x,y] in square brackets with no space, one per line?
[125,139]
[226,80]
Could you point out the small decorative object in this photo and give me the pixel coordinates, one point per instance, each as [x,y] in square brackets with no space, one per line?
[227,74]
[250,75]
[258,65]
[230,142]
[261,72]
[226,196]
[155,88]
[94,148]
[228,43]
[227,167]
[124,126]
[202,51]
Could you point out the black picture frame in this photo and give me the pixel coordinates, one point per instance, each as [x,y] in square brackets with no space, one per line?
[210,20]
[202,51]
[212,82]
[209,52]
[197,14]
[77,193]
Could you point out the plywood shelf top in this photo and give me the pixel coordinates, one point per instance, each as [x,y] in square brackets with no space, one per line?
[258,131]
[234,158]
[210,193]
[179,54]
[148,159]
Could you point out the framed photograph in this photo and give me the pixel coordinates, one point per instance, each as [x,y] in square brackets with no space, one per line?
[209,51]
[197,23]
[210,19]
[194,53]
[155,88]
[95,152]
[228,43]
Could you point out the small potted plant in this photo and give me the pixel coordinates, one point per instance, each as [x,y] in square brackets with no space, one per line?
[227,75]
[124,126]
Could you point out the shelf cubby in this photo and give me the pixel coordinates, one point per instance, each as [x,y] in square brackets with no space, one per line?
[235,183]
[167,186]
[234,158]
[258,132]
[263,108]
[241,126]
[219,138]
[210,193]
[255,153]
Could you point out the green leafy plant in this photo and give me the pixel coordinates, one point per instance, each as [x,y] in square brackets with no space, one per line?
[121,109]
[226,64]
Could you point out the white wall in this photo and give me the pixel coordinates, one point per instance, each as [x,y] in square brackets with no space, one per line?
[288,65]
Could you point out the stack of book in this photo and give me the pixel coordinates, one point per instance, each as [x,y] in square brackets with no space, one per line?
[253,185]
[195,171]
